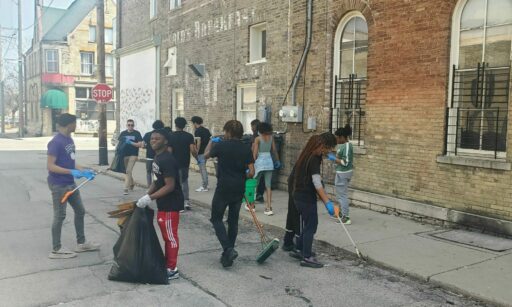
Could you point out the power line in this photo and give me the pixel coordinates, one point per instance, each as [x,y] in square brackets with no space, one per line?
[42,14]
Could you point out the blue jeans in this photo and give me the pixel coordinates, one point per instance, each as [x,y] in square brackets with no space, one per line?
[59,213]
[202,169]
[341,182]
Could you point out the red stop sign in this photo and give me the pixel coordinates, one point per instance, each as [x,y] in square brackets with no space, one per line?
[102,93]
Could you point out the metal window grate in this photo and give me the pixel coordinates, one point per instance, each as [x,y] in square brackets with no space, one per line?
[476,120]
[349,106]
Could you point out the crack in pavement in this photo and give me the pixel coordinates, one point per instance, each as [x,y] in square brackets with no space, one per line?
[204,289]
[56,270]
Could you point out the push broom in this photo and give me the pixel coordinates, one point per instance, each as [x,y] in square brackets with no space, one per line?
[269,246]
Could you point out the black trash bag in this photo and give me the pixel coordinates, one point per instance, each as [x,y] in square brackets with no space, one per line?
[118,161]
[137,253]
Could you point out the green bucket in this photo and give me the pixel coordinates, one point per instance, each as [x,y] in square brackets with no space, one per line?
[250,189]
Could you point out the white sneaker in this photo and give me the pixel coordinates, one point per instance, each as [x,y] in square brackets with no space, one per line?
[247,208]
[187,205]
[87,247]
[62,253]
[202,189]
[268,212]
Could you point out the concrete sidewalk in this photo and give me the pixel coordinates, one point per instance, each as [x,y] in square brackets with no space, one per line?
[393,242]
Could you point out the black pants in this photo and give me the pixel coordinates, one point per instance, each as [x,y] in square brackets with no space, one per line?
[308,211]
[292,220]
[220,202]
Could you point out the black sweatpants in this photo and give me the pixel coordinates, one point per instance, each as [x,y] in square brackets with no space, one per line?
[220,202]
[309,213]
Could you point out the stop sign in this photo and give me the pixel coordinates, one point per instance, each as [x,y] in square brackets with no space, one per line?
[102,93]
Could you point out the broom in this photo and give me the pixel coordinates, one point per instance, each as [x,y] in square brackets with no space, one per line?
[268,246]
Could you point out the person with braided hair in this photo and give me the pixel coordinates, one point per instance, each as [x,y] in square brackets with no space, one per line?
[235,164]
[306,185]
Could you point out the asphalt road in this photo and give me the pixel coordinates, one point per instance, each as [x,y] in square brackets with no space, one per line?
[29,278]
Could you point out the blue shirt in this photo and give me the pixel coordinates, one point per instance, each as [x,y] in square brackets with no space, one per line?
[63,149]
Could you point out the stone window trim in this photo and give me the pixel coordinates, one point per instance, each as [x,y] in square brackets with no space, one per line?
[174,4]
[246,103]
[349,78]
[52,60]
[470,161]
[92,34]
[258,43]
[86,63]
[177,103]
[459,66]
[153,9]
[171,63]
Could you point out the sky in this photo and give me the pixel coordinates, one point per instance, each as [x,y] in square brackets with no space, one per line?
[9,19]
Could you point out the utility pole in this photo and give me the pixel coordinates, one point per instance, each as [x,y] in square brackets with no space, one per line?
[21,98]
[2,108]
[118,65]
[102,131]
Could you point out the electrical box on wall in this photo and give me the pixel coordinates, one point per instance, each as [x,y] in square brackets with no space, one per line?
[291,114]
[265,114]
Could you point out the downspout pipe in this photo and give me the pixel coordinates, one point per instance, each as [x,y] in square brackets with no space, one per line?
[309,36]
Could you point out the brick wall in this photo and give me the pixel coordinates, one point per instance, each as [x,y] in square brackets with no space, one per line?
[408,76]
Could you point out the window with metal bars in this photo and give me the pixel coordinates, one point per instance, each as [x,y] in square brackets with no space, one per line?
[349,106]
[476,122]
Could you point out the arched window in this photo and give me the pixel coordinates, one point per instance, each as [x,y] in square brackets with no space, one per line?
[349,69]
[480,57]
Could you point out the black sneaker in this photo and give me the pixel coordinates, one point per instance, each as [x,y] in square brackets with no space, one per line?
[260,199]
[311,262]
[288,248]
[228,256]
[173,274]
[297,254]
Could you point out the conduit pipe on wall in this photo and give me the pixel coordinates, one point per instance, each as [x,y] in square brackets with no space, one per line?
[309,36]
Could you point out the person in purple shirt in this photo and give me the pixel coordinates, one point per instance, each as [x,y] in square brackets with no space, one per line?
[62,172]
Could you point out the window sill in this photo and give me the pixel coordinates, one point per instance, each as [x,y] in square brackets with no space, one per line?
[475,162]
[256,62]
[359,150]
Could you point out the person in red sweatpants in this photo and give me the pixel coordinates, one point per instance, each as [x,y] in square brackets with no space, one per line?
[166,190]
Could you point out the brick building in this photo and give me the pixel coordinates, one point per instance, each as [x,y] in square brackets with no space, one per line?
[424,84]
[60,66]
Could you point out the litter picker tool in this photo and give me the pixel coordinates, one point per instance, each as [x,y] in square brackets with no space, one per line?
[337,215]
[69,193]
[269,246]
[351,240]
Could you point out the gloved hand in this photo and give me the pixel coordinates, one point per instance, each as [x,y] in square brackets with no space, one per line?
[89,174]
[277,165]
[330,207]
[331,157]
[144,201]
[77,174]
[216,139]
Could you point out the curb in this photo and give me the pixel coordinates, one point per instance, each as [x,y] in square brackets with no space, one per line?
[350,252]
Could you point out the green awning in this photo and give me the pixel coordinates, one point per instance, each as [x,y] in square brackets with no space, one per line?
[54,99]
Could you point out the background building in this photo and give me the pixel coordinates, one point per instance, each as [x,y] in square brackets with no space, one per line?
[61,66]
[424,84]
